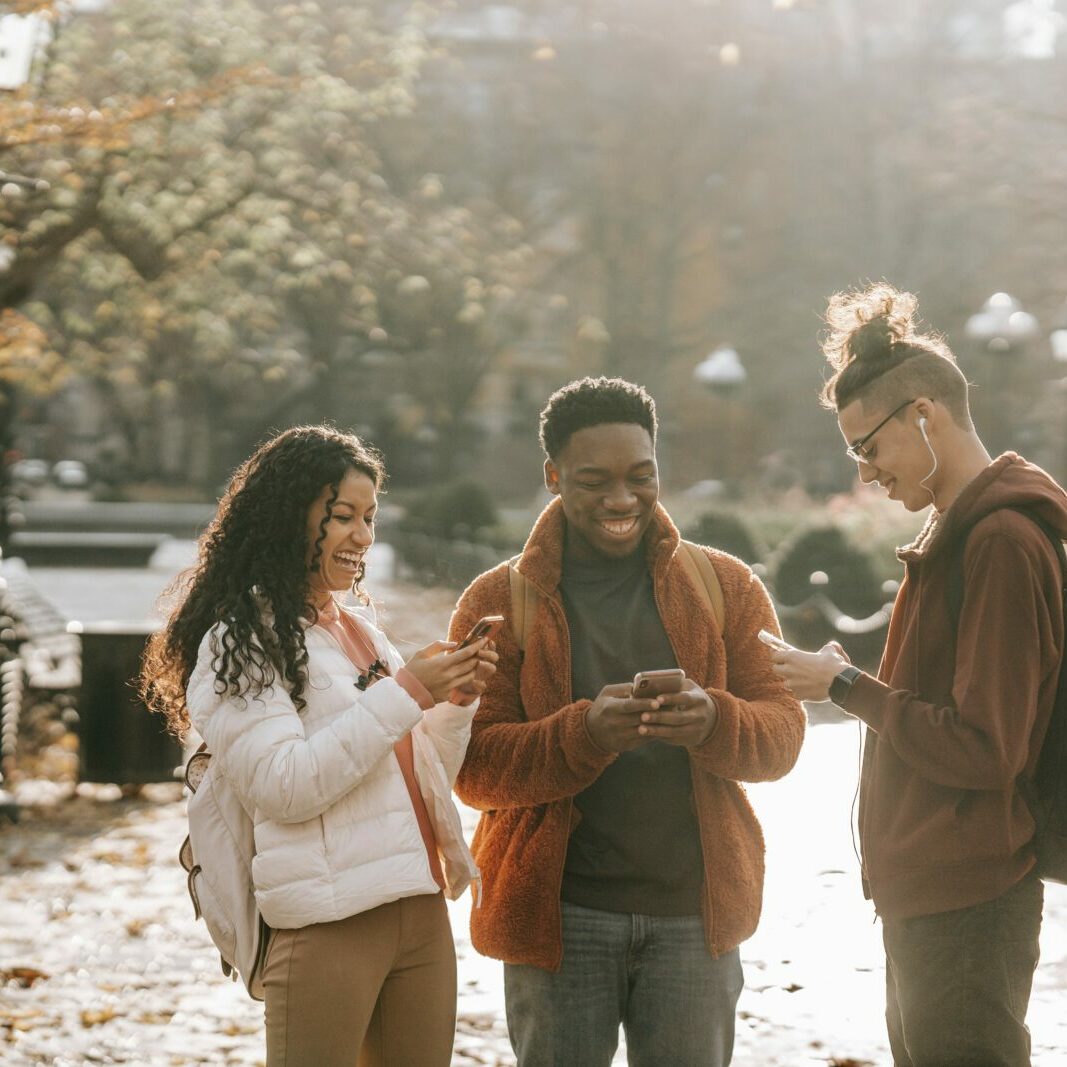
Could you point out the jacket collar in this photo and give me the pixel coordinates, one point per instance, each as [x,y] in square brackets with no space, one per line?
[541,561]
[1008,481]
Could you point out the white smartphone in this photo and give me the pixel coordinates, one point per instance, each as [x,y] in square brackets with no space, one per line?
[774,641]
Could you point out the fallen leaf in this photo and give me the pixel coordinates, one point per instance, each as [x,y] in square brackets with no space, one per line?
[20,861]
[23,1020]
[155,1018]
[114,858]
[95,1018]
[235,1029]
[25,976]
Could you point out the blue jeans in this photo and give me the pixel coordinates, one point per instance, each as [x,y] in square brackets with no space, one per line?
[652,974]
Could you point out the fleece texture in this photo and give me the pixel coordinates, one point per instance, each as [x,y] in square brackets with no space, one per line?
[530,752]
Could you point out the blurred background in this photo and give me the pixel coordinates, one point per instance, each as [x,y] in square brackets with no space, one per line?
[220,218]
[416,220]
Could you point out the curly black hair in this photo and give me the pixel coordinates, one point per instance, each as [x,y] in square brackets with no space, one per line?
[254,556]
[593,402]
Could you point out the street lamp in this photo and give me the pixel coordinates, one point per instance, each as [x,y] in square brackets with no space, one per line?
[1058,340]
[1001,327]
[1002,324]
[722,372]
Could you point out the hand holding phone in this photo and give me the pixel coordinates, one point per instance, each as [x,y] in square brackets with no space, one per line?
[649,684]
[487,626]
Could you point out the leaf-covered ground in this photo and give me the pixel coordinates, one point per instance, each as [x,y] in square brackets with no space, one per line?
[101,961]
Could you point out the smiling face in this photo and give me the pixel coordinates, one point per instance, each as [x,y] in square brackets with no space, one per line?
[335,561]
[896,456]
[607,479]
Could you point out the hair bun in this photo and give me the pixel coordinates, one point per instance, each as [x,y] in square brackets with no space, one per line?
[872,340]
[864,325]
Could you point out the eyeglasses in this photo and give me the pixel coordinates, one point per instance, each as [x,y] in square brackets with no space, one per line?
[858,450]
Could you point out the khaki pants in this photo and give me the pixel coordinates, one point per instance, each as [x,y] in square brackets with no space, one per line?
[377,989]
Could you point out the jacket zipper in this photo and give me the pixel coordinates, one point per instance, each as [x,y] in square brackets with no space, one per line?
[706,895]
[561,619]
[378,652]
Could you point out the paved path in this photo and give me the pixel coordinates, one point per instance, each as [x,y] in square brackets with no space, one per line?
[104,963]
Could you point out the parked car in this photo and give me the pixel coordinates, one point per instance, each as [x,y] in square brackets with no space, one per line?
[30,472]
[70,474]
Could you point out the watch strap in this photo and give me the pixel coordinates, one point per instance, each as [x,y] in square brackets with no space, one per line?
[841,686]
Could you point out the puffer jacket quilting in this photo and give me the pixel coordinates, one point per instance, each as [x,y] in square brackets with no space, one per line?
[335,831]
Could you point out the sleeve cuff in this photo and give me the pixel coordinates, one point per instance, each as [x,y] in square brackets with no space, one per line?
[716,697]
[414,689]
[866,701]
[578,729]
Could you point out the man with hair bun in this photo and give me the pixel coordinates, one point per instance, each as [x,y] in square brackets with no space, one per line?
[963,698]
[622,864]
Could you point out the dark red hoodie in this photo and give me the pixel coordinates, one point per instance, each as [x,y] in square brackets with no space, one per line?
[942,823]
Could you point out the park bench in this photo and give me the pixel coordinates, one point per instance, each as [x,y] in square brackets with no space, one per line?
[84,548]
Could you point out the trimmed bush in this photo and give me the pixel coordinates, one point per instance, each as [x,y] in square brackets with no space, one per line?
[852,583]
[454,511]
[726,531]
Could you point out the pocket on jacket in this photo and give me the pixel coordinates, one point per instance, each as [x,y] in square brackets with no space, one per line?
[210,909]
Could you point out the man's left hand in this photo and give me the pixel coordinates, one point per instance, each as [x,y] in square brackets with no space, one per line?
[686,719]
[809,674]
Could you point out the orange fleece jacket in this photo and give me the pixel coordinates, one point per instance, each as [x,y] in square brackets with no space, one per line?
[530,753]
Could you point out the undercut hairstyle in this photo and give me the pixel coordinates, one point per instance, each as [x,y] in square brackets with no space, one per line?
[594,402]
[880,356]
[252,574]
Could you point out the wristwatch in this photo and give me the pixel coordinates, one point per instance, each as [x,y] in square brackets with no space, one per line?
[841,686]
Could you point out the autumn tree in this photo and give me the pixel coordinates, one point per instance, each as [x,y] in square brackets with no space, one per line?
[224,269]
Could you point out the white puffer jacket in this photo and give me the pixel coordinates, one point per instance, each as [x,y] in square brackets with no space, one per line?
[335,830]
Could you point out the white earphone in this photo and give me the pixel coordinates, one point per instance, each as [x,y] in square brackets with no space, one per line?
[933,455]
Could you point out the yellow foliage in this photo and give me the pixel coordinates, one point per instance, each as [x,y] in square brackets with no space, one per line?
[26,121]
[27,358]
[28,7]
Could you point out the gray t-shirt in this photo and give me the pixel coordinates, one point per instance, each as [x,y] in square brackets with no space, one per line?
[637,848]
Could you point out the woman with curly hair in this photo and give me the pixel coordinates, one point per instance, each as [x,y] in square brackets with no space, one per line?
[343,754]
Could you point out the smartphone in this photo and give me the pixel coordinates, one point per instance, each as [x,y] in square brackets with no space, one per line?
[774,641]
[648,684]
[486,626]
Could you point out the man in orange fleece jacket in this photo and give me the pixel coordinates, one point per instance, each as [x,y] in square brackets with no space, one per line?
[622,863]
[960,707]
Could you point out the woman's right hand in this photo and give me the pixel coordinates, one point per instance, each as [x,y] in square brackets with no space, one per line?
[441,670]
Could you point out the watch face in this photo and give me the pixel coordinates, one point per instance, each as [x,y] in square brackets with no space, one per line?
[842,685]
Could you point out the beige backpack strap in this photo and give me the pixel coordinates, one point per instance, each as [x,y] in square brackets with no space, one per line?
[702,572]
[523,603]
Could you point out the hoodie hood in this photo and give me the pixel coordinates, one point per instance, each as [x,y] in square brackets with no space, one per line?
[1008,482]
